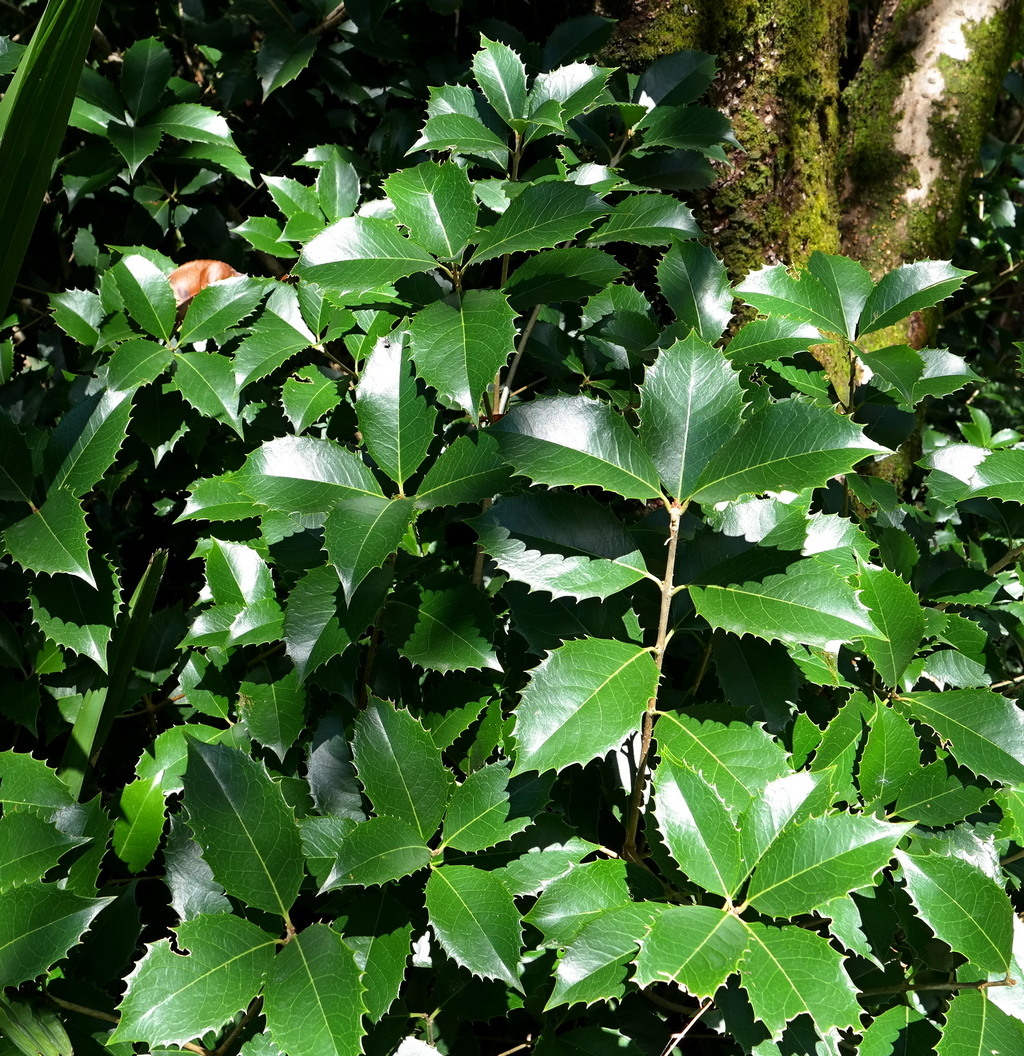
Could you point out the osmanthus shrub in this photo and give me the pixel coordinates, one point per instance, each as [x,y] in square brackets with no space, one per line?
[530,652]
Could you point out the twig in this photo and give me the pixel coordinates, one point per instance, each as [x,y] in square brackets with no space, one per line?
[677,1038]
[506,392]
[905,988]
[254,1006]
[1010,555]
[339,14]
[70,1006]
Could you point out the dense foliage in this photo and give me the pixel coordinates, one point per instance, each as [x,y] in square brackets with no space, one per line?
[491,631]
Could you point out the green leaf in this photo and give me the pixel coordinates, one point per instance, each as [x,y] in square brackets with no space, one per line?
[896,612]
[981,729]
[891,756]
[312,633]
[686,128]
[914,374]
[337,186]
[273,713]
[561,275]
[975,1024]
[283,55]
[435,202]
[910,288]
[458,349]
[810,603]
[963,906]
[400,768]
[52,539]
[816,860]
[476,921]
[699,830]
[806,298]
[376,851]
[696,287]
[738,760]
[361,253]
[480,813]
[207,381]
[647,220]
[137,362]
[381,946]
[444,630]
[469,470]
[38,926]
[301,474]
[313,997]
[930,795]
[572,901]
[577,441]
[135,143]
[75,615]
[361,533]
[787,446]
[28,782]
[696,947]
[29,847]
[583,700]
[395,418]
[220,499]
[87,440]
[144,74]
[219,306]
[173,999]
[247,831]
[789,971]
[148,297]
[502,77]
[307,396]
[265,234]
[691,402]
[540,217]
[773,338]
[595,965]
[575,87]
[461,134]
[676,79]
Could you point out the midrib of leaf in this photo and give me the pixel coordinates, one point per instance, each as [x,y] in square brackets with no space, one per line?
[440,223]
[481,930]
[615,674]
[763,465]
[197,373]
[405,787]
[425,616]
[792,985]
[721,762]
[792,604]
[472,821]
[312,982]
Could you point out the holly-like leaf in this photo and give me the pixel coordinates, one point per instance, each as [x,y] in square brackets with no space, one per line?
[444,630]
[910,288]
[312,633]
[584,699]
[207,381]
[787,446]
[273,712]
[981,729]
[540,217]
[395,418]
[144,75]
[561,275]
[811,603]
[38,926]
[595,966]
[773,338]
[307,396]
[400,768]
[963,906]
[974,1023]
[75,615]
[301,474]
[476,921]
[578,441]
[435,202]
[219,306]
[914,374]
[247,831]
[647,220]
[696,947]
[381,942]
[480,812]
[376,851]
[137,362]
[930,795]
[575,86]
[789,971]
[698,829]
[361,533]
[891,756]
[29,846]
[570,902]
[502,77]
[691,402]
[313,996]
[470,470]
[52,539]
[458,348]
[896,612]
[696,286]
[148,296]
[819,859]
[173,999]
[361,253]
[283,55]
[87,441]
[676,79]
[804,297]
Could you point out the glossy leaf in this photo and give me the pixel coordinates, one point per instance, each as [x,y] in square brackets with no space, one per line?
[307,396]
[246,830]
[479,814]
[773,338]
[219,306]
[982,730]
[502,77]
[561,275]
[963,906]
[975,1024]
[172,999]
[273,712]
[696,287]
[697,947]
[584,699]
[400,768]
[29,846]
[312,632]
[458,349]
[312,998]
[647,219]
[435,202]
[565,439]
[475,921]
[147,294]
[543,215]
[361,533]
[896,612]
[470,470]
[52,539]
[804,297]
[207,381]
[691,402]
[88,440]
[891,756]
[376,851]
[910,288]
